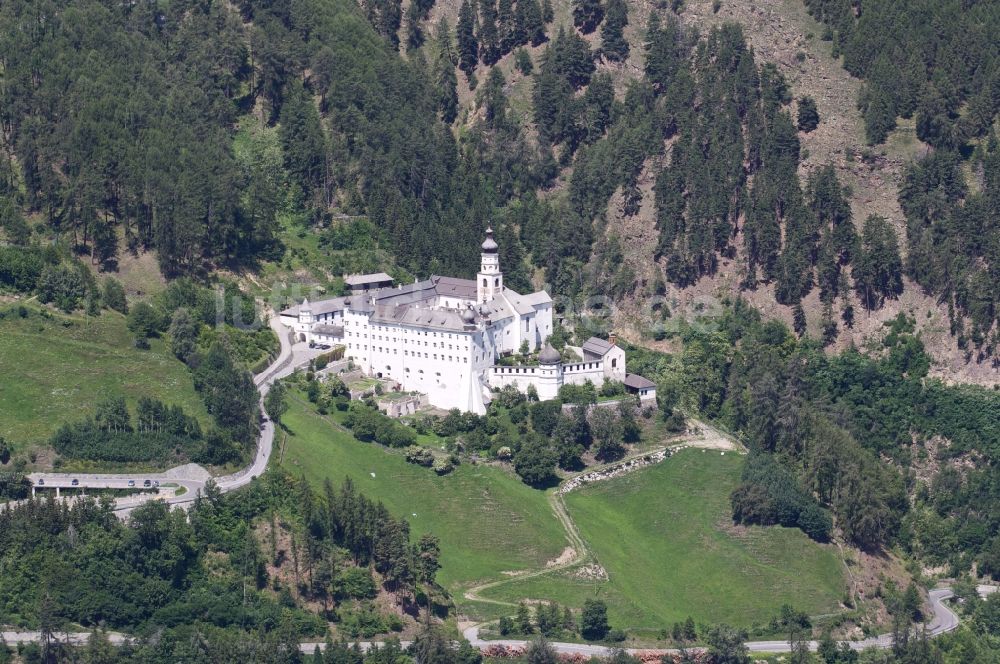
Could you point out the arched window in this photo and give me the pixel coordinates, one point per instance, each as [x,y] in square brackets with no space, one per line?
[614,362]
[484,282]
[496,282]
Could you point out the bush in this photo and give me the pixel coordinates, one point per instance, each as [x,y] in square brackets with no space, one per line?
[419,455]
[355,583]
[363,622]
[443,466]
[616,635]
[594,620]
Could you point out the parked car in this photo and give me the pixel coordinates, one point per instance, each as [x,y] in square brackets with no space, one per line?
[131,482]
[148,483]
[41,481]
[156,482]
[75,482]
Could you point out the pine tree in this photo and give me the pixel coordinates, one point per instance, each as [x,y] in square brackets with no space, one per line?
[663,61]
[493,100]
[808,116]
[506,25]
[878,270]
[880,115]
[614,46]
[303,140]
[548,13]
[446,83]
[468,46]
[587,15]
[523,619]
[488,35]
[414,33]
[529,26]
[799,319]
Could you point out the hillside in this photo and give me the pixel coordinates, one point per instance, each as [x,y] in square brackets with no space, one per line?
[783,33]
[664,550]
[582,180]
[58,368]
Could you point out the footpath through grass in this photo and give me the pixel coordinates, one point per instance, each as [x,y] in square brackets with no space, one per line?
[56,369]
[488,521]
[666,540]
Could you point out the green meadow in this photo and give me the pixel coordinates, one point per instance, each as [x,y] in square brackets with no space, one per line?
[665,539]
[56,368]
[488,521]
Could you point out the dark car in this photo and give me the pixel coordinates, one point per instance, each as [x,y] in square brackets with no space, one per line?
[41,481]
[75,482]
[148,483]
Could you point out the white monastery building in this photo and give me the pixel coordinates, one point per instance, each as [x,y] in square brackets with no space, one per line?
[444,336]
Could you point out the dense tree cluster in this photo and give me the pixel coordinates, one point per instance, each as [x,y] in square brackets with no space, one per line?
[936,59]
[159,433]
[770,494]
[953,237]
[369,425]
[846,432]
[200,582]
[136,148]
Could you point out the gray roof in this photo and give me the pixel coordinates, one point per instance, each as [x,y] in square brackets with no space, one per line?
[537,299]
[360,303]
[549,355]
[329,330]
[596,347]
[637,382]
[436,319]
[365,279]
[318,307]
[517,302]
[464,288]
[406,294]
[496,309]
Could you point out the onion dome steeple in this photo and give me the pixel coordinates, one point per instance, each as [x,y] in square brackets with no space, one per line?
[489,244]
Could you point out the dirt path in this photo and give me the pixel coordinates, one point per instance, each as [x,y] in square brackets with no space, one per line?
[707,437]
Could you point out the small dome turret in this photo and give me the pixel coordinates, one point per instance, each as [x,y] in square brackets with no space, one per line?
[549,355]
[489,244]
[468,316]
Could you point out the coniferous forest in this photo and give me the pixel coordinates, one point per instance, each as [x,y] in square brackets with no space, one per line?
[119,123]
[123,132]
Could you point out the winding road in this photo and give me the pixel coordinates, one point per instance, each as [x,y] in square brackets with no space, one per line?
[193,479]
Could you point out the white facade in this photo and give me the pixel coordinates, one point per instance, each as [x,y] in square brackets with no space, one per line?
[443,336]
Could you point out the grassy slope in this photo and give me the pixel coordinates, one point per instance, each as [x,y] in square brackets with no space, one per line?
[665,538]
[56,370]
[488,521]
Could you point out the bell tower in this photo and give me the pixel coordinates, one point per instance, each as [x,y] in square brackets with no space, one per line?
[489,281]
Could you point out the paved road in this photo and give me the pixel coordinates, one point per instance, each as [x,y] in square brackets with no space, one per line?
[191,476]
[943,620]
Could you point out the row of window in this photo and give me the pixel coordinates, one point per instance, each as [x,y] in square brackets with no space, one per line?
[433,344]
[407,353]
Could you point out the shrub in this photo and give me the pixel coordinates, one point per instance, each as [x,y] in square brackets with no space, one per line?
[419,455]
[594,620]
[443,466]
[355,583]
